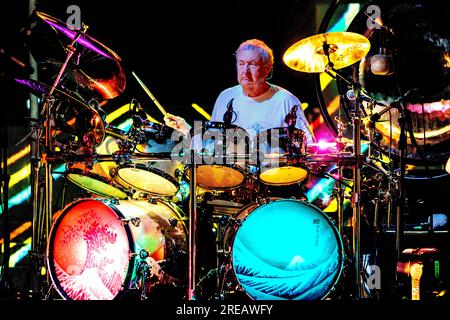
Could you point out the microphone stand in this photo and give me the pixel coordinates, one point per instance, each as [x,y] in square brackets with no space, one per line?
[192,229]
[402,143]
[356,197]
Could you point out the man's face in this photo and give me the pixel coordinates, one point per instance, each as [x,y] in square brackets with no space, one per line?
[251,72]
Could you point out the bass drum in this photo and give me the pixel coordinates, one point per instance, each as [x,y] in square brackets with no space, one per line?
[98,249]
[285,249]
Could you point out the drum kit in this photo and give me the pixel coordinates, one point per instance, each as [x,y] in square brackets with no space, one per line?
[131,234]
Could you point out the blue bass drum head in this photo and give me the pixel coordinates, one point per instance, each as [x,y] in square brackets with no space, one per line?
[287,250]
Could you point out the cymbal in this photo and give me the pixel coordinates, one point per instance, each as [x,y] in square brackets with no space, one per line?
[85,40]
[345,48]
[39,89]
[94,70]
[72,115]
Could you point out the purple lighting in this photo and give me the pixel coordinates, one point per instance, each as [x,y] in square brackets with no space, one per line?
[84,40]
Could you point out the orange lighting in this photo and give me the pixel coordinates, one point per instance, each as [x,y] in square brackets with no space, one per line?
[24,227]
[17,156]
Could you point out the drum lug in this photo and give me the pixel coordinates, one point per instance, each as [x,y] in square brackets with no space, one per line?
[235,222]
[143,254]
[113,172]
[264,200]
[134,221]
[173,222]
[225,254]
[150,164]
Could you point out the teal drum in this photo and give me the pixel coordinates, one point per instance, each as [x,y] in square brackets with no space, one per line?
[284,249]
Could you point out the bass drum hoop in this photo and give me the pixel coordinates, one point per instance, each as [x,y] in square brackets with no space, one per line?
[58,220]
[250,208]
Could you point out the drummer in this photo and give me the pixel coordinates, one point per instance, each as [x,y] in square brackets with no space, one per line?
[254,104]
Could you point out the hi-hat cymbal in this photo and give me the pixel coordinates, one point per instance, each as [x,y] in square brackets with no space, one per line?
[345,48]
[94,70]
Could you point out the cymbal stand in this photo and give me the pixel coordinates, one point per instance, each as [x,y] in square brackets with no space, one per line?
[340,190]
[192,229]
[45,217]
[356,201]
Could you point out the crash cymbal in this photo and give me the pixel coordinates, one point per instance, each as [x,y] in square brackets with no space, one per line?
[85,40]
[345,48]
[94,70]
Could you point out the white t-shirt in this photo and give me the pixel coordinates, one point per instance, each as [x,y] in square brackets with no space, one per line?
[256,114]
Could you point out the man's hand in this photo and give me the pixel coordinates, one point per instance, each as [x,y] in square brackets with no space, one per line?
[177,123]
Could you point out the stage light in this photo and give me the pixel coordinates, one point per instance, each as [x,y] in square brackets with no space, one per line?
[202,111]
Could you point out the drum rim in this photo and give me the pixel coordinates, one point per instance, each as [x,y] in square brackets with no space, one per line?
[96,177]
[158,172]
[51,240]
[235,227]
[219,125]
[283,184]
[231,165]
[284,129]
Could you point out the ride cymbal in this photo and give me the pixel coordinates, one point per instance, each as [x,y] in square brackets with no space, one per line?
[308,55]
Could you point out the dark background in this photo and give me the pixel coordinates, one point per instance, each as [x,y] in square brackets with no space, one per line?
[182,50]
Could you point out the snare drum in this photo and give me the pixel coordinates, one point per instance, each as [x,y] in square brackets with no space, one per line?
[99,179]
[96,248]
[279,152]
[285,249]
[159,175]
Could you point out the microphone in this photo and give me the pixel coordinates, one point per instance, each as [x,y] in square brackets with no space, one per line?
[351,95]
[24,68]
[138,114]
[228,115]
[291,117]
[381,63]
[397,103]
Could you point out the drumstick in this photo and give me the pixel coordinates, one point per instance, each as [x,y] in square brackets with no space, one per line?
[160,107]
